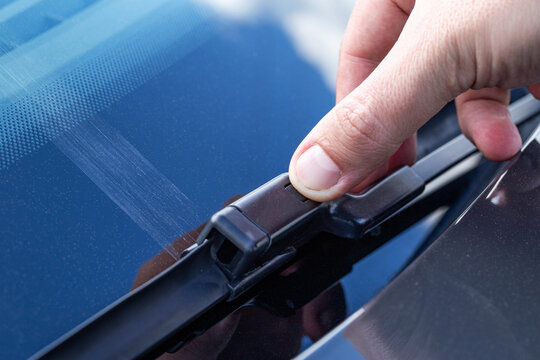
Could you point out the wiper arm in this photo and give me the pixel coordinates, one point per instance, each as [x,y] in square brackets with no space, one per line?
[241,246]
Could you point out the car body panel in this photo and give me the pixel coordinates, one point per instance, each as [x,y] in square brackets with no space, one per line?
[472,294]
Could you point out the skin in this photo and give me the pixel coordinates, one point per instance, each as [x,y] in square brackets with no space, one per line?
[400,62]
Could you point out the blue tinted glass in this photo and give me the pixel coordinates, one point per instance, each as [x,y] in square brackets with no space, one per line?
[124,124]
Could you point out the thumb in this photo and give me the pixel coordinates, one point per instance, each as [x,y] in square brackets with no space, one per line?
[413,82]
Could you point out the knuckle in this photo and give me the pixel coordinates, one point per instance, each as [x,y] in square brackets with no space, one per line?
[359,128]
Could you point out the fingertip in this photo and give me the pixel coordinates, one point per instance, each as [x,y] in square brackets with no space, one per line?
[534,89]
[316,169]
[485,119]
[299,183]
[498,142]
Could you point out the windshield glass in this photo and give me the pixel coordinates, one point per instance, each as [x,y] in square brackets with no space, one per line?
[125,124]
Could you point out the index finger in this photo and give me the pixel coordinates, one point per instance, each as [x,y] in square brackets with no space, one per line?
[373,28]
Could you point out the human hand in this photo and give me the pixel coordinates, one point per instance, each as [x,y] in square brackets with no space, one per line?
[400,63]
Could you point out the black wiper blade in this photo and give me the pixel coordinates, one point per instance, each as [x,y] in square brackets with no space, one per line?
[460,147]
[240,247]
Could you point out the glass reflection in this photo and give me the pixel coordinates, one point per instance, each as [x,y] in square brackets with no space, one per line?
[253,330]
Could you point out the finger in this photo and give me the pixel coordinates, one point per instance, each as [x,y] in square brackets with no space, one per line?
[535,90]
[373,28]
[405,155]
[484,118]
[414,81]
[372,178]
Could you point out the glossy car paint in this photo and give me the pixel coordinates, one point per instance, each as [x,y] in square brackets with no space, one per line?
[472,294]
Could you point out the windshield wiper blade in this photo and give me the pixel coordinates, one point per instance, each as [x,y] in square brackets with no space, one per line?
[460,147]
[241,245]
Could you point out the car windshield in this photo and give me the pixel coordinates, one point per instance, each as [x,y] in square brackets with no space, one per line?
[125,124]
